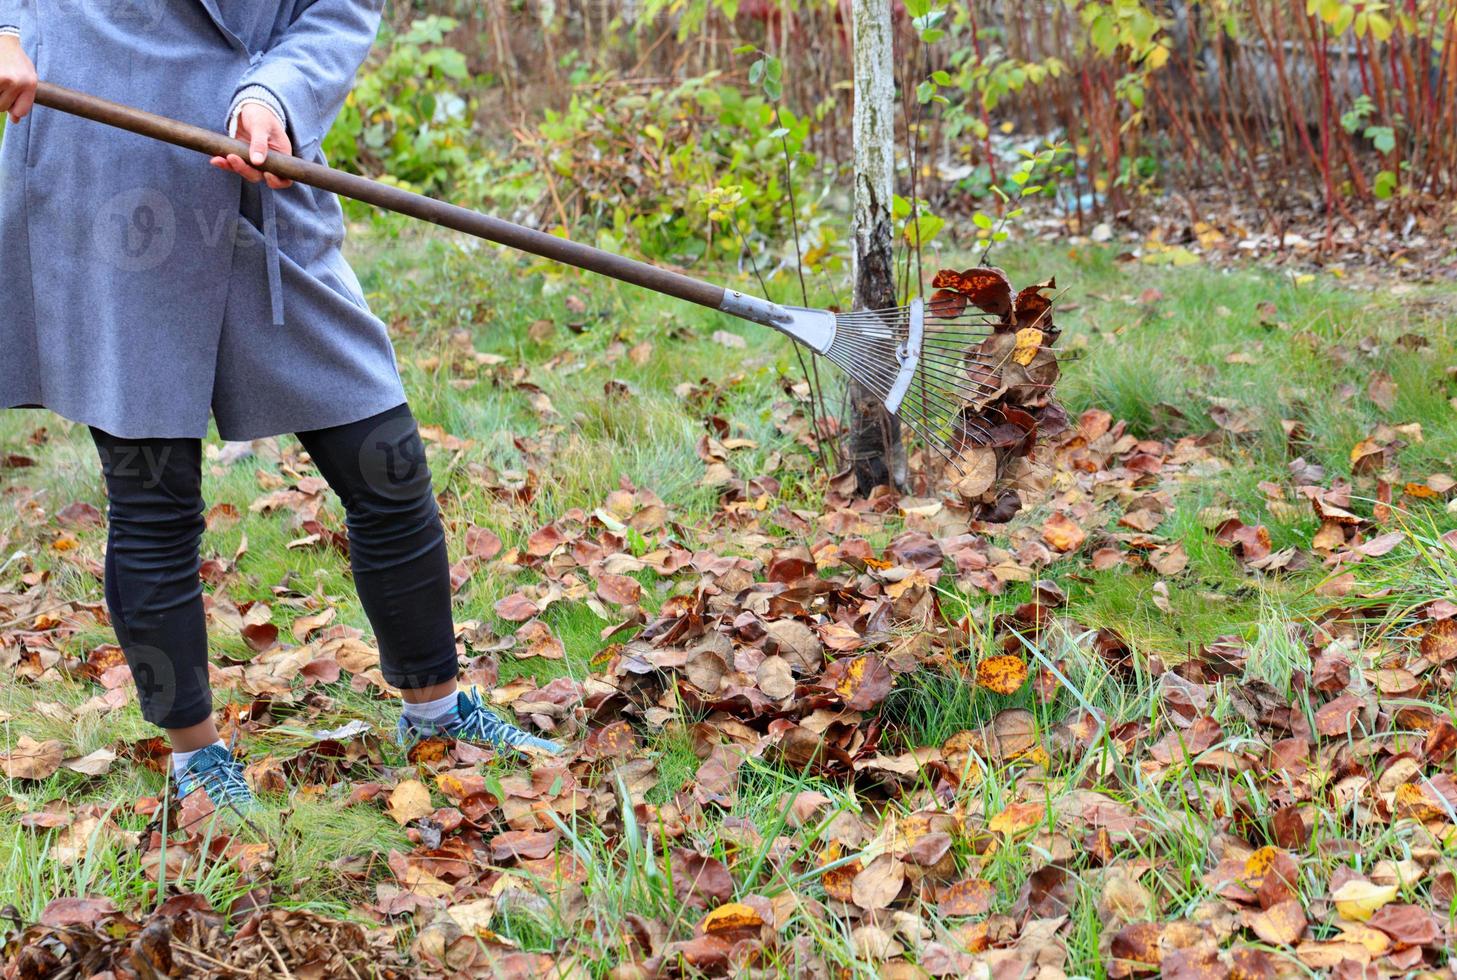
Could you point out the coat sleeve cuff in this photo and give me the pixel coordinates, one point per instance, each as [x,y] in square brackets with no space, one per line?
[294,96]
[254,95]
[17,18]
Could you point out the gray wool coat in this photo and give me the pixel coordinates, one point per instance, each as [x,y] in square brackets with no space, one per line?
[135,286]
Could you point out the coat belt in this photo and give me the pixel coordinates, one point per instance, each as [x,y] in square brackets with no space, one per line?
[270,237]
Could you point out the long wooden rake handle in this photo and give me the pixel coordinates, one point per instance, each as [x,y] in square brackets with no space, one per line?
[394,199]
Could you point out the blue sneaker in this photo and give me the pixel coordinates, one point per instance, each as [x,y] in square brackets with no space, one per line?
[214,771]
[474,722]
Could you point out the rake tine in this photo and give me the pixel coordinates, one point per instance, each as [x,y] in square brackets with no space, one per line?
[959,326]
[953,415]
[938,446]
[942,379]
[960,379]
[959,364]
[958,414]
[934,445]
[941,390]
[922,395]
[874,352]
[937,379]
[962,366]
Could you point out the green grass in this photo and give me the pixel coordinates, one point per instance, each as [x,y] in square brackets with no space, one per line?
[1158,366]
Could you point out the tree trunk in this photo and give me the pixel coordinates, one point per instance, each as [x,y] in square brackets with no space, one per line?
[877,454]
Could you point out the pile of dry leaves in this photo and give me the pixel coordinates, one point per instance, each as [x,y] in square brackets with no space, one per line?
[774,638]
[90,937]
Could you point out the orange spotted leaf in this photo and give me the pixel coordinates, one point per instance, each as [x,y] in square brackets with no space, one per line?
[861,683]
[1032,307]
[1004,675]
[1017,818]
[946,303]
[1439,643]
[970,896]
[1413,802]
[987,289]
[1062,533]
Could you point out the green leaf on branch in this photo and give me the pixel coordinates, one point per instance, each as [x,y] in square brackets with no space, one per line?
[1382,137]
[923,229]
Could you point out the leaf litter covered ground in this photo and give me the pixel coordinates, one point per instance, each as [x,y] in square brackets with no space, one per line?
[1188,711]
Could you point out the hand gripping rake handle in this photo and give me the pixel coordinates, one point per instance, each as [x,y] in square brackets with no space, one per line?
[418,206]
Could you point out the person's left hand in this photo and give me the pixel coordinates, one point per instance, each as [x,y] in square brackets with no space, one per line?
[262,131]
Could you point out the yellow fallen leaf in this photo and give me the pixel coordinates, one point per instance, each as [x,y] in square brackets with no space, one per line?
[977,469]
[1364,448]
[1017,818]
[1357,900]
[1036,755]
[838,880]
[451,786]
[1029,342]
[1062,533]
[1258,863]
[1004,675]
[409,801]
[1378,942]
[1411,800]
[1280,925]
[475,916]
[734,915]
[915,580]
[1329,954]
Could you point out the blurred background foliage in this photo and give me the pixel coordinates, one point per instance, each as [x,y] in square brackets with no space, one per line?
[696,131]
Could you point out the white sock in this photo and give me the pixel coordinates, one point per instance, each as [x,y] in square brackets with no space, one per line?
[432,712]
[181,759]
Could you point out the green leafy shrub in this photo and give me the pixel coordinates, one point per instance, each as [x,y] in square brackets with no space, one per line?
[696,171]
[407,119]
[692,172]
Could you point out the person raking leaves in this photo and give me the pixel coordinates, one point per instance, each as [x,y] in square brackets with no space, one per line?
[141,292]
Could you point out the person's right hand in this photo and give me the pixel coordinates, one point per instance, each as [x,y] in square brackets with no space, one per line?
[17,79]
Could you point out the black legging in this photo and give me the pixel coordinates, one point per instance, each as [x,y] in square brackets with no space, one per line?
[396,549]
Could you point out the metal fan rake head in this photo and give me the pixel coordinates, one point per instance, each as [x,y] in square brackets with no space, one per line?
[930,372]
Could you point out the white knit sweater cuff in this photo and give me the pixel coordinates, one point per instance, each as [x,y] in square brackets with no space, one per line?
[9,30]
[254,95]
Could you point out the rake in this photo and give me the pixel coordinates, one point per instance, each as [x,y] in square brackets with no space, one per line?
[927,370]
